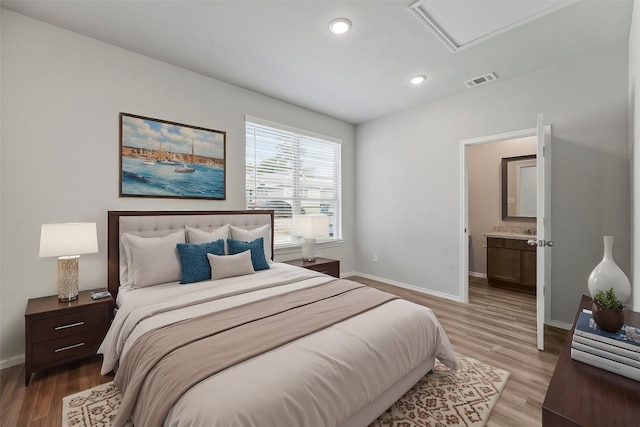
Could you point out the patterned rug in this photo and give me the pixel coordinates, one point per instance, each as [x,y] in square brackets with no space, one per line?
[442,398]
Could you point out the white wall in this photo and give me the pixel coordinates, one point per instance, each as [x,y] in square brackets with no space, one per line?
[61,95]
[408,174]
[634,138]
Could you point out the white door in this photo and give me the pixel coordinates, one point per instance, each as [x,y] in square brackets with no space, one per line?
[543,268]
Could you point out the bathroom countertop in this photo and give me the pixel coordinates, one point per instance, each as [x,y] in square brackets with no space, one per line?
[505,235]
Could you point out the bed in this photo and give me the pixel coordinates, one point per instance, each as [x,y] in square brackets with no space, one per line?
[276,346]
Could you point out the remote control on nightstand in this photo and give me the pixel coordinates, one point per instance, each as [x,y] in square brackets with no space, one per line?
[99,295]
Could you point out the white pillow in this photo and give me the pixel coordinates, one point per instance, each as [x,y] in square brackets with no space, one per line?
[124,264]
[153,260]
[230,265]
[198,237]
[251,235]
[129,260]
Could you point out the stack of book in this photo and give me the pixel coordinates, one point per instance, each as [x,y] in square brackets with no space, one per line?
[617,352]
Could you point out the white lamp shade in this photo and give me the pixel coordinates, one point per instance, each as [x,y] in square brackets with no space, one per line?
[310,225]
[68,239]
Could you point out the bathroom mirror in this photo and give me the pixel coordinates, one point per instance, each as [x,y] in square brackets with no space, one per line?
[519,187]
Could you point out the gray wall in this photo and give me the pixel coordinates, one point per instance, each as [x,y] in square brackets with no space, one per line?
[408,175]
[589,199]
[61,95]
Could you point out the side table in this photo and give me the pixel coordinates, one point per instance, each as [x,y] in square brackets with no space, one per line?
[322,265]
[60,332]
[583,395]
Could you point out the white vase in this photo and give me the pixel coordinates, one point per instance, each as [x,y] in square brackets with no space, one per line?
[607,275]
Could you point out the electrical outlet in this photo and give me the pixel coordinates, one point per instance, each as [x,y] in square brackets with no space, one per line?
[375,257]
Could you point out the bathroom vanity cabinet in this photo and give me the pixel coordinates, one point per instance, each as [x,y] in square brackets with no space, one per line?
[511,262]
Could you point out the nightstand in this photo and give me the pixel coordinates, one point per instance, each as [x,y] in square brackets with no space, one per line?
[322,265]
[60,332]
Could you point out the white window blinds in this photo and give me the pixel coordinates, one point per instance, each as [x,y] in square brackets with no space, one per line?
[292,172]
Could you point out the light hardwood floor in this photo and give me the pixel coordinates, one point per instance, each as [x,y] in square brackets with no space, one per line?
[497,327]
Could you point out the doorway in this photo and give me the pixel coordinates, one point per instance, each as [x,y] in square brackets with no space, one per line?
[500,207]
[533,141]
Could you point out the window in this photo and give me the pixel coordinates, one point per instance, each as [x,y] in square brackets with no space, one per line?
[293,172]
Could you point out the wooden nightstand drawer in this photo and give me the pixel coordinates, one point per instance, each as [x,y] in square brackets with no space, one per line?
[57,327]
[66,347]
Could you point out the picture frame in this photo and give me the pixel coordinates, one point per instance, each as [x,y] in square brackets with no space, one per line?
[164,159]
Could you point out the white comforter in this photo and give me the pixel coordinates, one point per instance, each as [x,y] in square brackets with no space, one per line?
[319,380]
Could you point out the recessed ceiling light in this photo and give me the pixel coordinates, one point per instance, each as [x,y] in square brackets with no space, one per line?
[339,25]
[418,79]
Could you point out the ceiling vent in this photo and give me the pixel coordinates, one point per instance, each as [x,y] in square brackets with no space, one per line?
[481,80]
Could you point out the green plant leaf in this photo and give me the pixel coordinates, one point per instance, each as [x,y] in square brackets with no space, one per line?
[607,299]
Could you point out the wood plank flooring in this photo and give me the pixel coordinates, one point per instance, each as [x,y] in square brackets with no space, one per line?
[40,404]
[497,327]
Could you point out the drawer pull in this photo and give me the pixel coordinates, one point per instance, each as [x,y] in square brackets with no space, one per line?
[57,350]
[71,325]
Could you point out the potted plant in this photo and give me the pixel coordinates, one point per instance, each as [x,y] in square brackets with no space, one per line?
[607,310]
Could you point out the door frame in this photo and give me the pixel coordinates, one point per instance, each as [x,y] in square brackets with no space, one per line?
[464,203]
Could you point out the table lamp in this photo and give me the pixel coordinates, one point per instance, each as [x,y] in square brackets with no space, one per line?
[309,227]
[68,241]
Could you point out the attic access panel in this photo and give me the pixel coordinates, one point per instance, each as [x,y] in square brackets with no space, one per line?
[463,23]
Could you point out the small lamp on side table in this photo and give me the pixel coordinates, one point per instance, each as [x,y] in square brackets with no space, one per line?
[309,227]
[68,241]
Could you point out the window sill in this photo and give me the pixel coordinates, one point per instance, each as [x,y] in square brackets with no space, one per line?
[293,248]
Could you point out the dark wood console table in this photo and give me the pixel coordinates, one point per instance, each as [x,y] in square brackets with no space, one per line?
[583,395]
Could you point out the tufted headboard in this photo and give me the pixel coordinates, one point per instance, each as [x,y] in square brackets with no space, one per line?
[161,223]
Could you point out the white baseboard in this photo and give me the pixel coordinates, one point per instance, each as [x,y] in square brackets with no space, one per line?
[407,286]
[479,275]
[349,273]
[560,325]
[12,361]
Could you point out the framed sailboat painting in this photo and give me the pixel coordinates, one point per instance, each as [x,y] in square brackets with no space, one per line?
[165,159]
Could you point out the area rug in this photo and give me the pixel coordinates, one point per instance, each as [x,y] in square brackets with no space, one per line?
[446,398]
[442,398]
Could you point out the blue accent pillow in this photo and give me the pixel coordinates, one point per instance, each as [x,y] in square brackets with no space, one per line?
[194,263]
[258,258]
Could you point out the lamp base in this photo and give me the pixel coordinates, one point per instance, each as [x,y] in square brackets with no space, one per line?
[309,249]
[68,278]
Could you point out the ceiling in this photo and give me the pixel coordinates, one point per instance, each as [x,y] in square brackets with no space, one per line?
[283,49]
